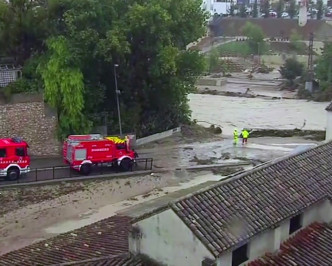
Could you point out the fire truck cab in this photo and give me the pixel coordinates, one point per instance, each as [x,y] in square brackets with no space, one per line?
[81,152]
[14,158]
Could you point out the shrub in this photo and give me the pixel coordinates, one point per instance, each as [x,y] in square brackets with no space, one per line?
[291,69]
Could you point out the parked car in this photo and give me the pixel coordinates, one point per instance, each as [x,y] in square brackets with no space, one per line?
[285,15]
[273,14]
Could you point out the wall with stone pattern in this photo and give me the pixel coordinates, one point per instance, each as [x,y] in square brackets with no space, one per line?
[28,117]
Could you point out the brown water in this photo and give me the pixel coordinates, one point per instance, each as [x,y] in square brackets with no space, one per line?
[231,112]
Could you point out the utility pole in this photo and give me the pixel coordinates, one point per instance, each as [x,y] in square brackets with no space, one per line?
[310,68]
[117,92]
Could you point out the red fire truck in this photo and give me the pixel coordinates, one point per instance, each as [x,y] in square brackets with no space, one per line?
[14,158]
[81,152]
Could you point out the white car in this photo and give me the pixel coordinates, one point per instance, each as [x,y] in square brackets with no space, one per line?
[285,15]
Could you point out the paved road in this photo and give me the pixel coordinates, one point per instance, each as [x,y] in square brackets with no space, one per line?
[53,168]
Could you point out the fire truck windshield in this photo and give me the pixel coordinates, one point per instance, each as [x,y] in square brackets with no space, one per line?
[121,146]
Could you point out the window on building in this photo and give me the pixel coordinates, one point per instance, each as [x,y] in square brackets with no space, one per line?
[295,223]
[20,151]
[240,255]
[2,152]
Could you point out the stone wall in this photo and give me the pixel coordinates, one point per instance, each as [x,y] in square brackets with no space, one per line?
[33,121]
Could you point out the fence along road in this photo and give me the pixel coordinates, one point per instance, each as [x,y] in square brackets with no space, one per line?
[64,171]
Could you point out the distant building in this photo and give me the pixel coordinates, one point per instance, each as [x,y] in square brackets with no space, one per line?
[8,74]
[329,122]
[273,28]
[242,218]
[220,7]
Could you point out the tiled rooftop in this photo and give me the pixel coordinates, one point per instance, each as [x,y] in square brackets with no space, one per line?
[120,260]
[229,213]
[329,108]
[104,238]
[310,246]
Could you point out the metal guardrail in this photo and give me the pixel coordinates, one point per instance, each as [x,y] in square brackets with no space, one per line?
[61,172]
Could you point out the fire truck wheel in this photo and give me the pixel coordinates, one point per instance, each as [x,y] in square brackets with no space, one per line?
[126,164]
[85,169]
[13,174]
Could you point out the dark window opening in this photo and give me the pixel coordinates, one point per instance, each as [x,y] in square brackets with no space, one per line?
[121,146]
[240,255]
[20,151]
[295,223]
[2,152]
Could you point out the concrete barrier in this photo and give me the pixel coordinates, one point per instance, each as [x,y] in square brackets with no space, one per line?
[157,136]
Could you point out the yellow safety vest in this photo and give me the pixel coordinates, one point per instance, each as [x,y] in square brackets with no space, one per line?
[245,134]
[236,134]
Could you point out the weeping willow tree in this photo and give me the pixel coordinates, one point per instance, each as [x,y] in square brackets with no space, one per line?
[64,88]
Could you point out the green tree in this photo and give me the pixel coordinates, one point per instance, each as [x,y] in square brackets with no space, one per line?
[255,10]
[319,9]
[213,60]
[232,9]
[280,8]
[323,70]
[291,69]
[265,8]
[255,35]
[24,27]
[323,73]
[85,38]
[295,41]
[64,87]
[292,9]
[243,11]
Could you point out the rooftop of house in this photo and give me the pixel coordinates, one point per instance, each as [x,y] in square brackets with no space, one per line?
[329,108]
[119,260]
[85,245]
[226,215]
[310,246]
[233,26]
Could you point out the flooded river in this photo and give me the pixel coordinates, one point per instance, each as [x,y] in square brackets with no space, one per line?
[230,112]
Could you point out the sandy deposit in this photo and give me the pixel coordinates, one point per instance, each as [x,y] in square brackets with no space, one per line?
[97,201]
[231,112]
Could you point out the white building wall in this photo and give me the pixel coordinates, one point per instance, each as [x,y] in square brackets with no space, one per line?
[221,7]
[329,126]
[225,259]
[261,244]
[165,238]
[320,212]
[284,231]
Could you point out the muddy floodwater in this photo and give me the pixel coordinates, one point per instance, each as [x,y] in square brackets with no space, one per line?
[230,112]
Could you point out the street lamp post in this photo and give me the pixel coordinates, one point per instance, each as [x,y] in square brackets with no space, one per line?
[117,92]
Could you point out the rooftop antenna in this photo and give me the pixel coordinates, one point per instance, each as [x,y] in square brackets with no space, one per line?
[303,18]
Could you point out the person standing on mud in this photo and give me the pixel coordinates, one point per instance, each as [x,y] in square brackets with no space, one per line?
[245,136]
[235,137]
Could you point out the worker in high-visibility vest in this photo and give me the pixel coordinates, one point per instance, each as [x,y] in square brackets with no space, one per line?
[245,136]
[235,137]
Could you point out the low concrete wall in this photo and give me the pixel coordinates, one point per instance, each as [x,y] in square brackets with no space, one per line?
[206,82]
[212,81]
[318,135]
[157,136]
